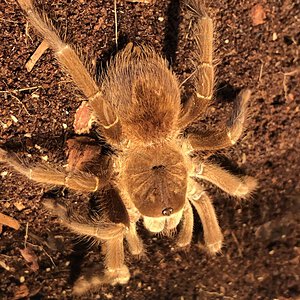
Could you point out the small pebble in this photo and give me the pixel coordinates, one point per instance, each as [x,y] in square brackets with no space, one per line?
[3,174]
[45,157]
[274,36]
[65,126]
[260,278]
[22,279]
[33,95]
[14,119]
[4,125]
[160,19]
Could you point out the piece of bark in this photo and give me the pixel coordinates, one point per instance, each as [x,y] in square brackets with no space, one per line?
[258,15]
[9,221]
[36,55]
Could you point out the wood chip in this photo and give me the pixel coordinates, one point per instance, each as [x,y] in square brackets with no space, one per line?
[36,55]
[19,205]
[258,15]
[4,265]
[9,221]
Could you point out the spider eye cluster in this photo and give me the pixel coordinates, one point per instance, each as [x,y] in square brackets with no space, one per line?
[155,178]
[167,211]
[159,167]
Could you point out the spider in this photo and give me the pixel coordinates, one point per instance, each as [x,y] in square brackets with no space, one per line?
[153,173]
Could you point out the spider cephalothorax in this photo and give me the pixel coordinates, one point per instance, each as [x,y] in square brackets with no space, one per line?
[154,172]
[155,177]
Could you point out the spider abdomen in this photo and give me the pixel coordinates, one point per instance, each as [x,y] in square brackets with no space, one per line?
[144,93]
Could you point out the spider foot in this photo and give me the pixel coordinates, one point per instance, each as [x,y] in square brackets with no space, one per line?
[183,243]
[183,247]
[111,276]
[214,248]
[247,187]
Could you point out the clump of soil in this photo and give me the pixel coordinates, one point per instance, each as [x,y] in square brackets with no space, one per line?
[257,47]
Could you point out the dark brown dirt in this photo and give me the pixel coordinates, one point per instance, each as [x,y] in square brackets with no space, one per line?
[260,259]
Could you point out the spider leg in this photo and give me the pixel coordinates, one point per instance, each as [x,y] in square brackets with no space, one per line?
[231,184]
[110,234]
[116,271]
[213,236]
[218,139]
[78,181]
[68,58]
[204,68]
[135,244]
[186,233]
[79,224]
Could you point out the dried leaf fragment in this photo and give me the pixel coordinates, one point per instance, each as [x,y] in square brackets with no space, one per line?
[9,221]
[22,291]
[19,205]
[4,265]
[258,15]
[31,258]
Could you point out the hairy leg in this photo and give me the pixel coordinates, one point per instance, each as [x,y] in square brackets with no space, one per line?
[110,234]
[135,244]
[110,125]
[102,230]
[212,233]
[116,271]
[228,136]
[78,181]
[186,233]
[231,184]
[203,60]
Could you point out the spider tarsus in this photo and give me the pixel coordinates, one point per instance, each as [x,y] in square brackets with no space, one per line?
[245,189]
[183,246]
[215,248]
[111,276]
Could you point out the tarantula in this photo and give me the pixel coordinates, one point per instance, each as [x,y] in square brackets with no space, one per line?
[153,172]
